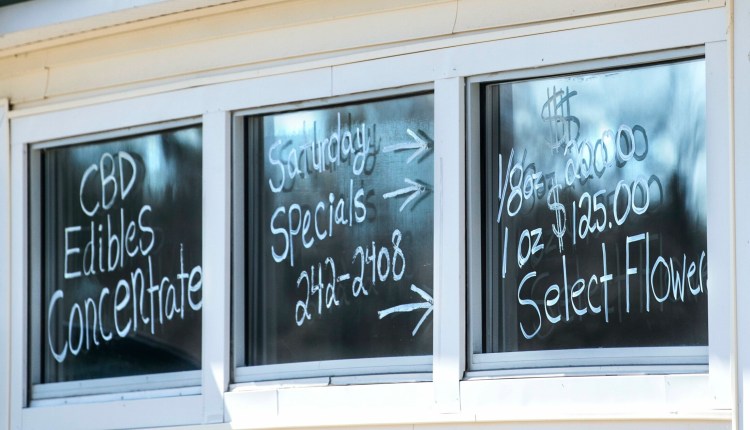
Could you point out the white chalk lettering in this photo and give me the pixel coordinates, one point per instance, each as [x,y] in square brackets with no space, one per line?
[289,160]
[71,251]
[373,265]
[109,243]
[294,223]
[529,302]
[163,299]
[559,298]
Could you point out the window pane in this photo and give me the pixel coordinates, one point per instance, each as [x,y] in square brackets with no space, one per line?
[121,283]
[596,210]
[340,226]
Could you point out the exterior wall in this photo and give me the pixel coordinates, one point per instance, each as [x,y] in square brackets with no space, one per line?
[147,66]
[206,45]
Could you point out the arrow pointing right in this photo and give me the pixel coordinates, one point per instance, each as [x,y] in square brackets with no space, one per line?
[427,304]
[415,189]
[419,144]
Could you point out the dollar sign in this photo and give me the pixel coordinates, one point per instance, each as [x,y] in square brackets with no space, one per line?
[553,202]
[556,113]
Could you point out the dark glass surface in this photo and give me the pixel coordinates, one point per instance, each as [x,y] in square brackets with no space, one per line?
[121,283]
[595,210]
[10,2]
[340,227]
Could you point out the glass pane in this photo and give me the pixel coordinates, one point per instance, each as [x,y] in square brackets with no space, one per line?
[340,214]
[121,283]
[596,213]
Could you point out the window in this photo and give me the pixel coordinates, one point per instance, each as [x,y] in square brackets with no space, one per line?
[594,213]
[117,241]
[338,247]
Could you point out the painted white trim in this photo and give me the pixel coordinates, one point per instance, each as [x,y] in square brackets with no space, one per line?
[180,391]
[523,361]
[607,360]
[56,393]
[5,266]
[393,378]
[380,93]
[337,371]
[586,371]
[170,106]
[634,397]
[332,368]
[701,24]
[217,170]
[564,47]
[720,223]
[474,228]
[115,414]
[114,134]
[40,20]
[358,379]
[43,13]
[238,217]
[691,29]
[741,129]
[670,399]
[143,400]
[59,392]
[449,258]
[693,355]
[549,402]
[18,264]
[592,64]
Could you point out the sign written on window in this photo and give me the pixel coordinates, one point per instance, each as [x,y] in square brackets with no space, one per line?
[597,210]
[340,236]
[121,283]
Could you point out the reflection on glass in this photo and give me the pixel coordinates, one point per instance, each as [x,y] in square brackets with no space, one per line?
[596,213]
[339,235]
[121,282]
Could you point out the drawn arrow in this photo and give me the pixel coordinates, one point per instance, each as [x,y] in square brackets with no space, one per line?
[427,304]
[415,188]
[419,144]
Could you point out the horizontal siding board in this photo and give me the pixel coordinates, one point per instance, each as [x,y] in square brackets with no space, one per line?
[252,48]
[287,88]
[536,51]
[294,33]
[483,14]
[138,413]
[24,87]
[236,23]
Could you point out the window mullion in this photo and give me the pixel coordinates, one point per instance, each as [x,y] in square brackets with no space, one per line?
[450,244]
[216,257]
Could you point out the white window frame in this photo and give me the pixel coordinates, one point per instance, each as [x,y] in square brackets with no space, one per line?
[162,406]
[583,361]
[695,387]
[44,20]
[5,266]
[181,383]
[449,397]
[39,401]
[741,128]
[334,372]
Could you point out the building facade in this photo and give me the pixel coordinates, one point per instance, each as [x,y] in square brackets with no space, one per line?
[377,214]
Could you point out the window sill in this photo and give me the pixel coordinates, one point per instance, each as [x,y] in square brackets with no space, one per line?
[144,412]
[666,398]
